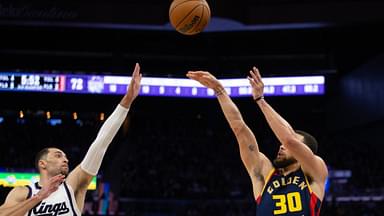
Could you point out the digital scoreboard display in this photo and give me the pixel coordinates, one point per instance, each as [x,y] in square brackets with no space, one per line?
[30,82]
[155,86]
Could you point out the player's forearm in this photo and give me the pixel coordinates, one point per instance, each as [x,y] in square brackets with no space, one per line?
[278,124]
[245,138]
[231,112]
[237,124]
[22,208]
[95,154]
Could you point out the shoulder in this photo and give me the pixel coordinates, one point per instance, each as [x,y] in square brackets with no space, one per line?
[16,195]
[321,170]
[22,190]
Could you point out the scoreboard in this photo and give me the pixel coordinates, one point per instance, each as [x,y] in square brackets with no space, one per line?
[155,86]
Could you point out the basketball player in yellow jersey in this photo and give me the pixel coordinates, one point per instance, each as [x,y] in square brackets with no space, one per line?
[294,183]
[60,192]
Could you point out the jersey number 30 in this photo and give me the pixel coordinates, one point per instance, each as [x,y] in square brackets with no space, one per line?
[290,202]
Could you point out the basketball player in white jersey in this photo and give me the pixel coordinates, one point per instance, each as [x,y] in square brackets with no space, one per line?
[60,192]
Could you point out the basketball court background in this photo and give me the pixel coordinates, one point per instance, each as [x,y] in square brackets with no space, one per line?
[177,156]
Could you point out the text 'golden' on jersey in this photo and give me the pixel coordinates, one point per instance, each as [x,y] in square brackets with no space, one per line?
[287,180]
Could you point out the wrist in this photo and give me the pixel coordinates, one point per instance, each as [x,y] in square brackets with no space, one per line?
[38,197]
[125,105]
[126,102]
[219,90]
[259,98]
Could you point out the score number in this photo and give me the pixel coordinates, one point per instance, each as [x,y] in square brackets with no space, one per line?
[77,84]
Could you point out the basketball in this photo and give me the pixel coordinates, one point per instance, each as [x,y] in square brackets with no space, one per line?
[189,17]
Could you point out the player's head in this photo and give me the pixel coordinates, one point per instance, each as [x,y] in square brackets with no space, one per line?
[284,157]
[53,161]
[308,140]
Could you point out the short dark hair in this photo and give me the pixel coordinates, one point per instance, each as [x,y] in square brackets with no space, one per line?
[309,140]
[42,153]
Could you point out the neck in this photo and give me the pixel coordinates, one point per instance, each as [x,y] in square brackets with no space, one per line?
[288,169]
[44,177]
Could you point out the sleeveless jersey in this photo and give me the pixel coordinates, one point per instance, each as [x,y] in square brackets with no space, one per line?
[61,202]
[288,195]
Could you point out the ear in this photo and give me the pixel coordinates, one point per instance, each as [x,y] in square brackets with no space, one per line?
[42,164]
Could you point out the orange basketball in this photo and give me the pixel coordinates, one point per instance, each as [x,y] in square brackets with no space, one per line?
[189,17]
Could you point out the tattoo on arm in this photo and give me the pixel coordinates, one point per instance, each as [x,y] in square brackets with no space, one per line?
[252,147]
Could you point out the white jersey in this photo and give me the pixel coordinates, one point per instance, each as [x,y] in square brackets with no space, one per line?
[61,202]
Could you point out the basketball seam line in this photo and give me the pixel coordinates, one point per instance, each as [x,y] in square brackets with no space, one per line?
[186,16]
[170,12]
[197,24]
[208,9]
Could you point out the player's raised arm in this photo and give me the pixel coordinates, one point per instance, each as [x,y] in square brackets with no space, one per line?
[82,175]
[312,164]
[255,162]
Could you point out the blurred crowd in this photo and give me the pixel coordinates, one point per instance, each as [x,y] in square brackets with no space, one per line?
[189,163]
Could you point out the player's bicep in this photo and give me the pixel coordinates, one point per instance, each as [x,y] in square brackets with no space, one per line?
[15,196]
[79,179]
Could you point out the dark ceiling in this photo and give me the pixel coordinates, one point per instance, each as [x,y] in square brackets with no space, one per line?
[280,36]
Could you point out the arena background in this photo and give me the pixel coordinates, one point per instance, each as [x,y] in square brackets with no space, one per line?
[177,156]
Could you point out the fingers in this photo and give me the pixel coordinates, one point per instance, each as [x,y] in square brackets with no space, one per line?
[195,75]
[198,75]
[256,74]
[55,181]
[51,186]
[136,75]
[198,72]
[255,77]
[251,81]
[57,178]
[136,71]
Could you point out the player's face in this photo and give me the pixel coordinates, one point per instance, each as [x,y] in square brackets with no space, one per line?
[283,158]
[57,162]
